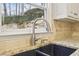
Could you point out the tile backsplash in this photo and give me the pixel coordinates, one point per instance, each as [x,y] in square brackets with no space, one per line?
[63,29]
[75,29]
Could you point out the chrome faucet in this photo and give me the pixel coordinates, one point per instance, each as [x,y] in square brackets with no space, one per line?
[33,38]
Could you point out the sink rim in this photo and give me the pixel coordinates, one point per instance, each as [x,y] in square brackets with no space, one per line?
[59,45]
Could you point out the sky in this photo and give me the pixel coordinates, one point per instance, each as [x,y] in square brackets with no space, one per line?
[13,8]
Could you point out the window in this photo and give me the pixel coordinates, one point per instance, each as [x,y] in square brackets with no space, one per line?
[19,17]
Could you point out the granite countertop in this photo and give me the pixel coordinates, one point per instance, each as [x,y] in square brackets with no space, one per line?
[27,49]
[72,43]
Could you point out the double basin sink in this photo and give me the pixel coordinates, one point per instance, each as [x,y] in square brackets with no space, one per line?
[49,50]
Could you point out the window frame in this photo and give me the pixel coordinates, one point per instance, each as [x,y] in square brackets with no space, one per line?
[2,32]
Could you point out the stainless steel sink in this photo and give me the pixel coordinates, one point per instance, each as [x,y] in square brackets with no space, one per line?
[49,50]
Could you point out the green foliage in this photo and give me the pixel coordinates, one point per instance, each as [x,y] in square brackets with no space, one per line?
[30,15]
[34,13]
[8,19]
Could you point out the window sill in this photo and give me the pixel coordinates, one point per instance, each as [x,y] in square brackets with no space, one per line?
[21,32]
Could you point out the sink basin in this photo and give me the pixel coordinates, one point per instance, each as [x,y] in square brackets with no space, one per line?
[49,50]
[56,50]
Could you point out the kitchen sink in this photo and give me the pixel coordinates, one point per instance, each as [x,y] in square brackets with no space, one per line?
[56,50]
[49,50]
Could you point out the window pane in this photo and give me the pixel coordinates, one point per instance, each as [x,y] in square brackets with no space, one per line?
[21,16]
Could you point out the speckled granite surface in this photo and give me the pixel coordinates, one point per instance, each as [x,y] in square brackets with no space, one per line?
[72,43]
[28,48]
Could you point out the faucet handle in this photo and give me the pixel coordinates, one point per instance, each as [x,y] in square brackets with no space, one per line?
[37,39]
[44,40]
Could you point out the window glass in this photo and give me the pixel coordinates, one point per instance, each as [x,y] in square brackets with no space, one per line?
[22,15]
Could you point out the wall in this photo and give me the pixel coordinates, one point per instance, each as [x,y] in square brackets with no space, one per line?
[63,29]
[14,44]
[75,29]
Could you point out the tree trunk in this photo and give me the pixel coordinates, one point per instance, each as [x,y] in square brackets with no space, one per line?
[5,10]
[9,9]
[22,7]
[19,9]
[16,8]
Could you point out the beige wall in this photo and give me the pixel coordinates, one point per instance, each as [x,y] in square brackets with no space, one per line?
[63,29]
[75,29]
[12,44]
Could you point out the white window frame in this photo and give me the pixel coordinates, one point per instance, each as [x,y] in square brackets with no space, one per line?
[23,31]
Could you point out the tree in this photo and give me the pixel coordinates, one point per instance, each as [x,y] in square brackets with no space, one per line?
[9,9]
[19,8]
[22,8]
[16,8]
[28,16]
[5,9]
[32,14]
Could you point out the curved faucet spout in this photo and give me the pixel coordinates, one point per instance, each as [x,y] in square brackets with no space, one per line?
[34,34]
